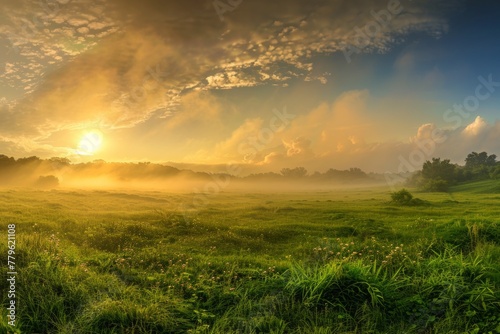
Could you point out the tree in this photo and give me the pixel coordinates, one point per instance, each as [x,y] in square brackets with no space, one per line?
[5,161]
[477,160]
[437,175]
[356,173]
[60,161]
[28,160]
[351,174]
[437,185]
[480,165]
[297,172]
[438,170]
[495,173]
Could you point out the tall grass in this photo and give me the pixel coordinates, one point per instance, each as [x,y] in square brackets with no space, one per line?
[344,269]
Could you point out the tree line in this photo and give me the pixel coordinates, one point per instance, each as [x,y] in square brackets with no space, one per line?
[439,175]
[47,172]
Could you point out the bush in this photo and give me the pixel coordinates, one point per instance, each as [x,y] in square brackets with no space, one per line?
[438,185]
[47,182]
[403,197]
[495,173]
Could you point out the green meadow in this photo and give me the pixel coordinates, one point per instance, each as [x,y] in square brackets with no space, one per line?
[340,261]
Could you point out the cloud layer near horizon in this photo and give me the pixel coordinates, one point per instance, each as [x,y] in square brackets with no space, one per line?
[74,65]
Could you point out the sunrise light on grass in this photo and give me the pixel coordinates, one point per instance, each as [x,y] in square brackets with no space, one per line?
[249,166]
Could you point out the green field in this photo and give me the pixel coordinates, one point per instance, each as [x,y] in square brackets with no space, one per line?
[343,261]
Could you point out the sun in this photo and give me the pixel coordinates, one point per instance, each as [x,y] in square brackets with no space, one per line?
[90,143]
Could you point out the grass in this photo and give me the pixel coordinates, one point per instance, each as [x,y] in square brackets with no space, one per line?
[319,262]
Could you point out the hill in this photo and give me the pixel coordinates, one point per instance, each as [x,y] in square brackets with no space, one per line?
[478,187]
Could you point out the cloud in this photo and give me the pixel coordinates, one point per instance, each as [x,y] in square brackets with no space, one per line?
[298,146]
[196,108]
[242,45]
[118,63]
[325,130]
[328,126]
[243,142]
[476,127]
[431,141]
[428,131]
[321,145]
[97,88]
[42,34]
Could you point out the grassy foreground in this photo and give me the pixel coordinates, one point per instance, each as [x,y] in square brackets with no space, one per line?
[331,262]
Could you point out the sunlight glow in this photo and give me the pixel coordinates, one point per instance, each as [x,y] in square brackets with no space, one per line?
[90,143]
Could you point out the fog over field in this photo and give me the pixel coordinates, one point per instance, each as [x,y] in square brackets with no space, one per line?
[58,173]
[249,166]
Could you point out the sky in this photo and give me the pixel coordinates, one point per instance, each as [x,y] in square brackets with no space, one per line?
[382,85]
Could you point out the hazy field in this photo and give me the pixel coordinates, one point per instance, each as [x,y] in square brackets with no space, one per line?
[345,261]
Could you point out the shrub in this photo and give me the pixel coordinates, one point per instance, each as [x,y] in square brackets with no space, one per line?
[403,197]
[438,185]
[47,182]
[495,173]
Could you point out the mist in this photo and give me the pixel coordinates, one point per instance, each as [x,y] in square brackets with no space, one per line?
[60,173]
